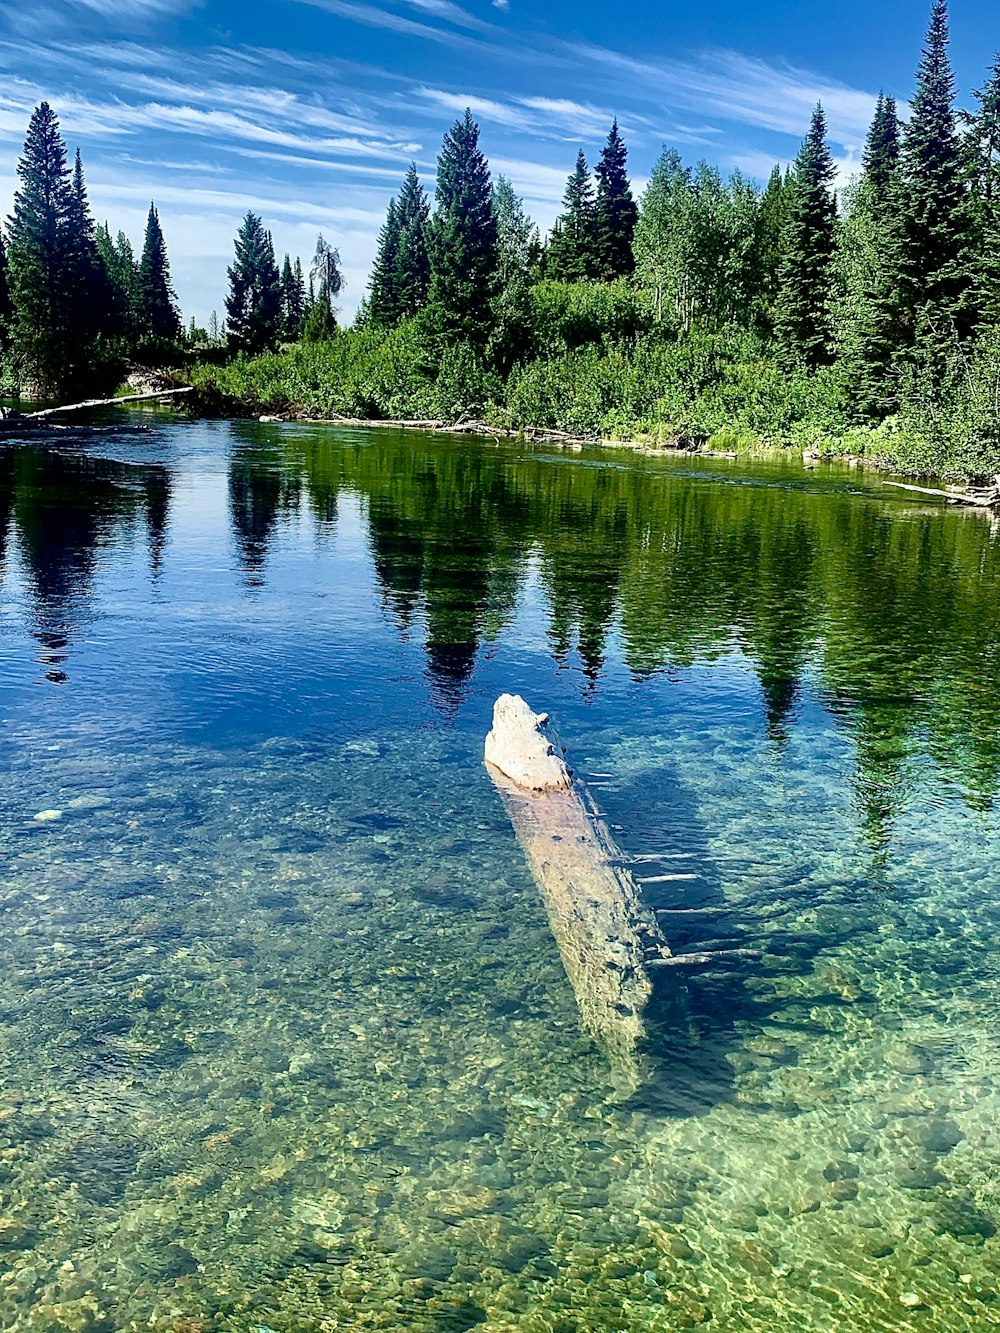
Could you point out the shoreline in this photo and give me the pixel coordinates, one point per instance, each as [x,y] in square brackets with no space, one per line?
[983,499]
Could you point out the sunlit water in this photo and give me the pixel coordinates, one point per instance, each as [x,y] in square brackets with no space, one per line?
[286,1041]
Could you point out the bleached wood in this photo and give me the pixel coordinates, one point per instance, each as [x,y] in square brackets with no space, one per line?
[606,935]
[105,402]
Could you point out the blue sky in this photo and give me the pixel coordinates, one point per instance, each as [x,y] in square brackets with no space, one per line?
[308,111]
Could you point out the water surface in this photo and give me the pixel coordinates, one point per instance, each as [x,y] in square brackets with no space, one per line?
[286,1041]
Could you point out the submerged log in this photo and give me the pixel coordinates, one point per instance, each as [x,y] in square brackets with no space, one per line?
[607,937]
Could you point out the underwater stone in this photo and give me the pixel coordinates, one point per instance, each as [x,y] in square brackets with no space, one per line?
[961,1216]
[844,1190]
[841,1171]
[909,1059]
[920,1176]
[936,1136]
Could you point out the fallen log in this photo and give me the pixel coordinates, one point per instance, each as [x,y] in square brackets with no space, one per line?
[981,499]
[606,935]
[106,402]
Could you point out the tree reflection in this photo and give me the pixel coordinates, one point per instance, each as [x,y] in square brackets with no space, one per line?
[887,613]
[67,507]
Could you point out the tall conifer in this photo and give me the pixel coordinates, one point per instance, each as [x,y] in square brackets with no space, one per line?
[982,145]
[412,261]
[462,240]
[867,302]
[92,308]
[936,275]
[41,255]
[802,317]
[616,212]
[253,305]
[383,298]
[160,319]
[571,255]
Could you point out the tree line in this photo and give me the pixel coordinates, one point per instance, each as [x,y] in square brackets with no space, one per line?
[901,271]
[77,305]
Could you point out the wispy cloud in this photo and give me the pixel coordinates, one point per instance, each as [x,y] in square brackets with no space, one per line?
[746,90]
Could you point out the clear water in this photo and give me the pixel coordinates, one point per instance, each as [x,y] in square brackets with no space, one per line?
[285,1041]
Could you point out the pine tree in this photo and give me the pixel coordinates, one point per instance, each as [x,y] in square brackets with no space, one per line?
[383,305]
[616,212]
[571,253]
[802,318]
[320,325]
[982,150]
[867,300]
[253,305]
[462,240]
[93,307]
[159,320]
[41,256]
[293,299]
[937,276]
[882,148]
[412,263]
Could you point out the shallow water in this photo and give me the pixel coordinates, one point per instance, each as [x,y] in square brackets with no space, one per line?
[286,1041]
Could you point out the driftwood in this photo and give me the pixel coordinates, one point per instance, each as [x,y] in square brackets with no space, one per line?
[977,499]
[105,402]
[606,935]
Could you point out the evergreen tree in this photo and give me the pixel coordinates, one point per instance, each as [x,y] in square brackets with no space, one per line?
[292,300]
[571,253]
[516,235]
[937,277]
[982,145]
[773,217]
[616,212]
[882,148]
[159,320]
[253,305]
[412,261]
[383,298]
[41,254]
[320,324]
[802,319]
[866,305]
[462,240]
[93,312]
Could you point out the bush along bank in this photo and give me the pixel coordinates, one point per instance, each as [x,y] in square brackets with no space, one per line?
[725,392]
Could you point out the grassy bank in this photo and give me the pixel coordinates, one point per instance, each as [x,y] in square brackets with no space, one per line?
[608,372]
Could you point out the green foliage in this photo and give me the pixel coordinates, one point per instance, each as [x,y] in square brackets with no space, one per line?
[615,213]
[160,321]
[512,314]
[571,255]
[293,299]
[401,273]
[253,306]
[802,319]
[866,310]
[982,154]
[937,265]
[462,241]
[42,255]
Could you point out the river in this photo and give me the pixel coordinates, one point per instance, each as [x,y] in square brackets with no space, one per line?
[286,1040]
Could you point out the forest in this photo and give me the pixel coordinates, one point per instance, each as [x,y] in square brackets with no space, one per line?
[859,319]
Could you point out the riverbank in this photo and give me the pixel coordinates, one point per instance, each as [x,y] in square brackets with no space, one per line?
[721,393]
[968,495]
